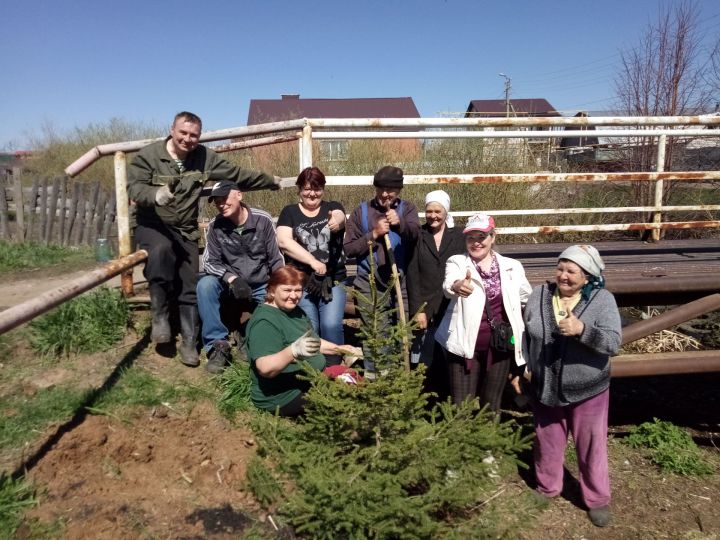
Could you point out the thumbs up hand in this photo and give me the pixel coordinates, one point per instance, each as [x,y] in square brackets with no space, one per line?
[571,325]
[463,287]
[332,223]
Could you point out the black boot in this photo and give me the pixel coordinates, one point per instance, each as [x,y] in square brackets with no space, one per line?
[160,315]
[189,330]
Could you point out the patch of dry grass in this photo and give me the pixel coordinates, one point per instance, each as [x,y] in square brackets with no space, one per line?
[663,341]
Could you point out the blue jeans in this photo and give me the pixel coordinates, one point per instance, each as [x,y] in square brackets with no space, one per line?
[326,318]
[211,291]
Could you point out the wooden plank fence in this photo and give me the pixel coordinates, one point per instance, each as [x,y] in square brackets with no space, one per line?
[55,211]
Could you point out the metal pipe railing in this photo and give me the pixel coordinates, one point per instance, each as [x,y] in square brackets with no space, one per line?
[92,155]
[21,313]
[694,120]
[512,134]
[670,318]
[536,178]
[659,167]
[672,363]
[252,143]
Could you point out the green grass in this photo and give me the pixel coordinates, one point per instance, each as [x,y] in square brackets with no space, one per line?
[137,387]
[87,324]
[671,448]
[24,417]
[31,255]
[16,496]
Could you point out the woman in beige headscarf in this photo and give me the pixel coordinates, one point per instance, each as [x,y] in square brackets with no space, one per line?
[438,241]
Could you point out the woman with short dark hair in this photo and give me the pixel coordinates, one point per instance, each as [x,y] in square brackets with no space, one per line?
[310,235]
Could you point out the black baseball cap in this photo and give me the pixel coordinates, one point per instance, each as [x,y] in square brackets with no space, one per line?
[222,188]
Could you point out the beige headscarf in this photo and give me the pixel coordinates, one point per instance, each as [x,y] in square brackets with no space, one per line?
[443,199]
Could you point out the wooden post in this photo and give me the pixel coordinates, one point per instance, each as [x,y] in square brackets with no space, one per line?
[19,204]
[97,219]
[4,229]
[72,211]
[90,204]
[31,209]
[109,216]
[43,211]
[80,216]
[52,209]
[63,210]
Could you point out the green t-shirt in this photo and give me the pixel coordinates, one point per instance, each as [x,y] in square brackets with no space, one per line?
[270,330]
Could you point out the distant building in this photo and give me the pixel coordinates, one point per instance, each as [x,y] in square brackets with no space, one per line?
[621,153]
[528,151]
[292,106]
[520,108]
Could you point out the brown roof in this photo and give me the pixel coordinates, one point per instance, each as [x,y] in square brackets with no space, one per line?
[292,106]
[519,107]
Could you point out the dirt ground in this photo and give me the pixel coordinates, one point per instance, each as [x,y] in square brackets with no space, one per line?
[169,473]
[174,472]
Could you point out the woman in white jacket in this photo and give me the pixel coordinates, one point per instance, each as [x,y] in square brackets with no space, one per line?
[476,368]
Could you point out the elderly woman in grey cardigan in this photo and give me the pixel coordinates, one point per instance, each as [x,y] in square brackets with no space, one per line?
[572,328]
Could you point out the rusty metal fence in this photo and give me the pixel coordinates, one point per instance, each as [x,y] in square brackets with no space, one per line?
[305,131]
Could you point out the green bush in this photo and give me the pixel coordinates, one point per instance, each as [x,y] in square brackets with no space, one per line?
[53,151]
[672,449]
[87,324]
[234,384]
[16,496]
[261,480]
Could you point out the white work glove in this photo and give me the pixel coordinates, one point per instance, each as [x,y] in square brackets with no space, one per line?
[305,345]
[350,354]
[163,195]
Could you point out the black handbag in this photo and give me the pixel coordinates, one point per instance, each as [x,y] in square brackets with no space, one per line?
[501,333]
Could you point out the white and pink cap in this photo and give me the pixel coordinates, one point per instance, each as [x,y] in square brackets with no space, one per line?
[480,222]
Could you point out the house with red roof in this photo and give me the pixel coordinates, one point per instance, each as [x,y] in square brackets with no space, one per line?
[292,106]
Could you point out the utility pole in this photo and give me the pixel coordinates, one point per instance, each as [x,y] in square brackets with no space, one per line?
[508,85]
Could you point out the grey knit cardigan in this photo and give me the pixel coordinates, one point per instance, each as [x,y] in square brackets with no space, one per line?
[570,369]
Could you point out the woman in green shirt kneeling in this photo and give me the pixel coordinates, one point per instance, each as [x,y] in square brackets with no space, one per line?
[278,335]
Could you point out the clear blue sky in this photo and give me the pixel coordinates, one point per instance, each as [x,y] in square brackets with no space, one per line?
[69,64]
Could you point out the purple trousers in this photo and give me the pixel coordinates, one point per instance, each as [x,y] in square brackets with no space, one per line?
[587,421]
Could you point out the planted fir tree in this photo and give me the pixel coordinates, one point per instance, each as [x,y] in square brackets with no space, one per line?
[369,460]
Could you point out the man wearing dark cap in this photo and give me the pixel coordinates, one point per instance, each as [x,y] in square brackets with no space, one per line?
[240,254]
[164,181]
[386,214]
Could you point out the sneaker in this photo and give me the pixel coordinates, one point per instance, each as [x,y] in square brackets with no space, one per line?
[600,517]
[219,357]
